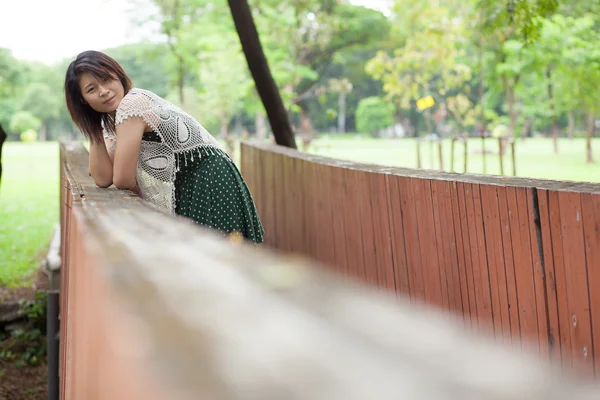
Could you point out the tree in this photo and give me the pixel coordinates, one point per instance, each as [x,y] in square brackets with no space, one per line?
[259,68]
[429,63]
[9,81]
[41,102]
[342,87]
[374,113]
[23,121]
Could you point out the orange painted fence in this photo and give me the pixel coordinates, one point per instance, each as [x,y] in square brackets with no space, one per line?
[518,258]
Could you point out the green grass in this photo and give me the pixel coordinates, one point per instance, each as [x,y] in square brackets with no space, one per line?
[28,207]
[534,157]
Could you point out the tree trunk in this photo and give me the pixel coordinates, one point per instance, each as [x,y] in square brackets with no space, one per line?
[261,73]
[591,127]
[482,120]
[571,124]
[229,141]
[261,129]
[510,100]
[551,100]
[342,113]
[306,129]
[3,136]
[43,130]
[180,82]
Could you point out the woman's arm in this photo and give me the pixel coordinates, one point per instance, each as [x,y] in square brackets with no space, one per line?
[129,139]
[101,166]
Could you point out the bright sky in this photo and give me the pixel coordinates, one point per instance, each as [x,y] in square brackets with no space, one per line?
[50,30]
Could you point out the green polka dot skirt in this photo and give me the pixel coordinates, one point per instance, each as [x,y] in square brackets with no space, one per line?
[211,191]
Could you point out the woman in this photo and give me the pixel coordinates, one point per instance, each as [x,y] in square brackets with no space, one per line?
[141,142]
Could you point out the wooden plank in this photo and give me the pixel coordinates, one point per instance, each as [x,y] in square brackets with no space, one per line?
[481,272]
[299,193]
[478,299]
[324,230]
[460,248]
[278,193]
[427,243]
[449,237]
[339,212]
[509,266]
[577,281]
[353,226]
[382,219]
[539,275]
[399,255]
[442,256]
[469,260]
[554,333]
[365,197]
[310,221]
[591,227]
[564,315]
[495,255]
[519,217]
[413,243]
[267,167]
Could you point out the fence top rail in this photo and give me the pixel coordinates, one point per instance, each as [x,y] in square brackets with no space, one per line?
[224,320]
[545,184]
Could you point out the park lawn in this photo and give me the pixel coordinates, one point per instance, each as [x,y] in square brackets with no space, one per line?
[28,207]
[534,157]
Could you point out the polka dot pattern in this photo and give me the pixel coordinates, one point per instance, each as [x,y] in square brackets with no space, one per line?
[211,191]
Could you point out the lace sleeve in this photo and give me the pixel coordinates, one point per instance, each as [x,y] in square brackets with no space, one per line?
[138,104]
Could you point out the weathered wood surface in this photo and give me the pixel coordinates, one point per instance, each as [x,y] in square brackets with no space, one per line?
[514,257]
[155,307]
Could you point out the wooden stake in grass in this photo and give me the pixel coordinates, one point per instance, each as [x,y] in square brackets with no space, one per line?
[452,146]
[501,154]
[418,153]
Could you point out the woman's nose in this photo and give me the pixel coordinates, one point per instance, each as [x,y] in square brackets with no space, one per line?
[103,91]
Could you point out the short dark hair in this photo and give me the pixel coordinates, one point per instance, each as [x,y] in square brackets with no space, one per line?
[100,66]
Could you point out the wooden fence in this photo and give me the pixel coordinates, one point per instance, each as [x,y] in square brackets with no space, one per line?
[519,258]
[154,307]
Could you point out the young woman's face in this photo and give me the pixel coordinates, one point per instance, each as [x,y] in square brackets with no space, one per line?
[103,96]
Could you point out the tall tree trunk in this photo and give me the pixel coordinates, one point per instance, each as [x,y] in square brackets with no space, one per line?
[482,120]
[510,100]
[180,82]
[571,124]
[261,129]
[261,73]
[229,141]
[591,127]
[306,128]
[552,108]
[342,113]
[3,137]
[43,130]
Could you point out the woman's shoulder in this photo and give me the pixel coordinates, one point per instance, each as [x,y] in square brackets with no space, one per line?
[138,98]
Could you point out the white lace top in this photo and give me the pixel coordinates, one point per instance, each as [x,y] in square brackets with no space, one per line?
[179,133]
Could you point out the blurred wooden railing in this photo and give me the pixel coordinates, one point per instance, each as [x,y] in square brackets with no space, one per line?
[517,257]
[155,307]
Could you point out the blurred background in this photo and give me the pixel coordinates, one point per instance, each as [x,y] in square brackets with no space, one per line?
[479,86]
[368,80]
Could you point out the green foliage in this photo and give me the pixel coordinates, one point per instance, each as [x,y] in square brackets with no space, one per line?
[23,121]
[26,346]
[522,15]
[374,113]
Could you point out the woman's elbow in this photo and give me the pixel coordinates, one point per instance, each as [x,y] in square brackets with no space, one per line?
[123,182]
[102,182]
